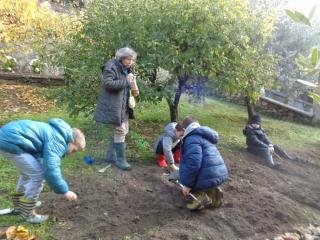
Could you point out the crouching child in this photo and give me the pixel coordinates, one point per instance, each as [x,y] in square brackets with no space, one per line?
[167,146]
[35,149]
[202,169]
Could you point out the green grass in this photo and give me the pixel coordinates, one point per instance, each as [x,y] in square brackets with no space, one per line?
[226,118]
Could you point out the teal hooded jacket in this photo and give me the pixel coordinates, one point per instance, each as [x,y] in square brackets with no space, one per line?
[48,143]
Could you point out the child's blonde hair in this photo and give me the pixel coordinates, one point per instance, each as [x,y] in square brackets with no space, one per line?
[79,138]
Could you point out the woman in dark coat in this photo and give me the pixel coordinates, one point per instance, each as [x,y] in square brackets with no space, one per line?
[112,108]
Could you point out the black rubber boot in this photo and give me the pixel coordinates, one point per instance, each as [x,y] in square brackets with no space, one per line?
[121,161]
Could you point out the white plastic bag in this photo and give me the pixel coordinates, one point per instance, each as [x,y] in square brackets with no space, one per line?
[132,101]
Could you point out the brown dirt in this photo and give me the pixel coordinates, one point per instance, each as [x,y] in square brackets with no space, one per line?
[142,204]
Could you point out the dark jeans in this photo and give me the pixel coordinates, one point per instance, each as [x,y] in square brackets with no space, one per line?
[160,148]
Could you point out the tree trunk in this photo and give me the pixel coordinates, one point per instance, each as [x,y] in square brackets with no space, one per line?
[174,103]
[173,113]
[250,107]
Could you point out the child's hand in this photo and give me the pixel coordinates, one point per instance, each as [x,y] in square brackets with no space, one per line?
[186,191]
[174,167]
[70,196]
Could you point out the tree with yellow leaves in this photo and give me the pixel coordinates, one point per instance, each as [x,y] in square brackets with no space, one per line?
[27,26]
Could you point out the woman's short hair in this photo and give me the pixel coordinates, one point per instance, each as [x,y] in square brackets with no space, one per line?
[126,52]
[187,121]
[79,138]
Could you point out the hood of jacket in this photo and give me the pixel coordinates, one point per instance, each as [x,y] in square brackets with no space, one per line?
[169,130]
[203,131]
[63,128]
[249,129]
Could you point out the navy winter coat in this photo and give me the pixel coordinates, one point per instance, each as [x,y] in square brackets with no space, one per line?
[201,165]
[256,138]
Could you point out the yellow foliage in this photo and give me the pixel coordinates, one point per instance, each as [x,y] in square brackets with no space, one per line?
[18,233]
[26,24]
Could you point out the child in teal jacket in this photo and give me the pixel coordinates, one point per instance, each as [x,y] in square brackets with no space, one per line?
[36,149]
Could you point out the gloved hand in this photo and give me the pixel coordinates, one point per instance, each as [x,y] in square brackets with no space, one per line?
[271,148]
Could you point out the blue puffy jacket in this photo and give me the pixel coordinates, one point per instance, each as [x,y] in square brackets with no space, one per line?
[201,165]
[48,143]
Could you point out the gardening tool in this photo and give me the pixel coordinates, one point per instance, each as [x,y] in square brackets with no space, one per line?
[174,177]
[190,194]
[6,211]
[102,170]
[88,160]
[277,156]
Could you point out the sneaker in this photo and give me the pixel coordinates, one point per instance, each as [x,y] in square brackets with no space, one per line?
[38,204]
[37,219]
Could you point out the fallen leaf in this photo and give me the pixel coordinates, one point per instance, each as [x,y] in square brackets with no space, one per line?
[11,232]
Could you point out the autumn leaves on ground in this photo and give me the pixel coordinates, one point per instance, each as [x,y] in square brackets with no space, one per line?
[259,202]
[17,98]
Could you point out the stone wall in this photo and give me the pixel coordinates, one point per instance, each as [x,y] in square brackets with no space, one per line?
[284,111]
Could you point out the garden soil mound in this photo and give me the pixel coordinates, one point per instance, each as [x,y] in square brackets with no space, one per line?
[259,203]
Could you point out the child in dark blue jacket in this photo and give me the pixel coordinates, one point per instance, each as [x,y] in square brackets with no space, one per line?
[202,169]
[259,144]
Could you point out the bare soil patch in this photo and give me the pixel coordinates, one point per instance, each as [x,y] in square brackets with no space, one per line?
[259,203]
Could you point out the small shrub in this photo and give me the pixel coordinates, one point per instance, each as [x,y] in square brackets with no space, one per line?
[37,65]
[140,142]
[8,63]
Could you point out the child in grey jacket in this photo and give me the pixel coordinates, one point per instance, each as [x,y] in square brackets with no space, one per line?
[167,146]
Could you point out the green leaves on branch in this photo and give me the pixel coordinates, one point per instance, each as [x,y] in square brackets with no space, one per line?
[299,17]
[26,26]
[310,66]
[312,12]
[201,38]
[314,56]
[315,97]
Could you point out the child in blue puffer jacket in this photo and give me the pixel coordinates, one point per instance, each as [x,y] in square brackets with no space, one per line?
[202,169]
[36,149]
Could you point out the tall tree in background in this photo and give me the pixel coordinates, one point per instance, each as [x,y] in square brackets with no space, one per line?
[191,40]
[249,66]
